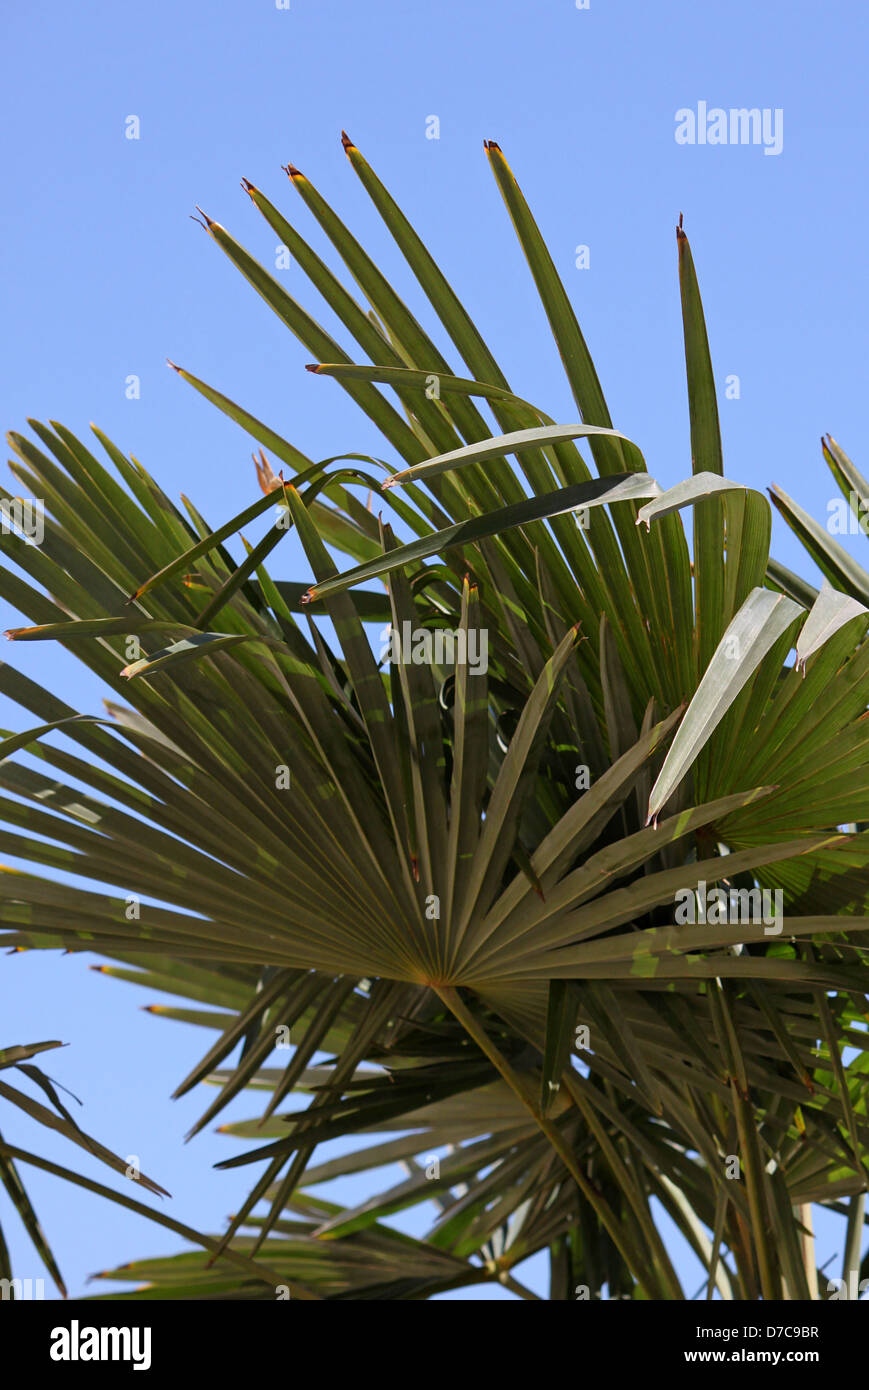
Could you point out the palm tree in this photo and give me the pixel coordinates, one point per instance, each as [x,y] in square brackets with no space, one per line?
[577,921]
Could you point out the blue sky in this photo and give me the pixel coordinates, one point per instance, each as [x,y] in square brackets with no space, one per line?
[105,277]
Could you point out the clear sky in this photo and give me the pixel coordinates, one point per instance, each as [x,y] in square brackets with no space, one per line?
[104,277]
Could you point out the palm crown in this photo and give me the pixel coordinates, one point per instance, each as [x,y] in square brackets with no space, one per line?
[451,884]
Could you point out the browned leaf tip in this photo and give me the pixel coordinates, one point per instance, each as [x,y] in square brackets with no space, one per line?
[346,141]
[207,222]
[292,171]
[265,474]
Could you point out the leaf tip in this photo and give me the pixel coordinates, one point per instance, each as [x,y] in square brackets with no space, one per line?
[206,223]
[265,474]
